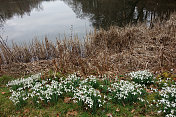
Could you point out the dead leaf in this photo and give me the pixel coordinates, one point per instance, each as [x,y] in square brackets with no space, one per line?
[148,90]
[67,100]
[175,71]
[145,105]
[147,115]
[122,78]
[151,86]
[109,115]
[57,115]
[3,93]
[123,104]
[174,79]
[117,110]
[133,111]
[26,111]
[71,113]
[17,112]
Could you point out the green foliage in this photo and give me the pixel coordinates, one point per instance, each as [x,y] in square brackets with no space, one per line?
[165,79]
[35,101]
[5,79]
[21,103]
[95,84]
[6,106]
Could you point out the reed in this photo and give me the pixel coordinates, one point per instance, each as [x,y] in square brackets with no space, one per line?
[113,51]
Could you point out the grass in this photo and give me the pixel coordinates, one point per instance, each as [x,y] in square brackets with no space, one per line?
[4,80]
[6,106]
[62,108]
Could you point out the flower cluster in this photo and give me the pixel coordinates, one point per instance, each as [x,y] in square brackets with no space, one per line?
[167,103]
[92,93]
[39,91]
[70,83]
[23,83]
[92,80]
[142,77]
[105,84]
[46,92]
[89,97]
[19,98]
[126,92]
[49,91]
[164,82]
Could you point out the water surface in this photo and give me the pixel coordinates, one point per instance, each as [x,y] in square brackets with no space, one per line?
[24,20]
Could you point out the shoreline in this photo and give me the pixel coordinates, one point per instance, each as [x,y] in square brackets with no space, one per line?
[117,50]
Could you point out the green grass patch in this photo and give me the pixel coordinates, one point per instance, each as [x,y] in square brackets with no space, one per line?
[4,80]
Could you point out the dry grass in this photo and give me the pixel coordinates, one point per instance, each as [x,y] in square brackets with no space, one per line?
[113,51]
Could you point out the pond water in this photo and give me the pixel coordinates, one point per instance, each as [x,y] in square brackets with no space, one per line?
[25,20]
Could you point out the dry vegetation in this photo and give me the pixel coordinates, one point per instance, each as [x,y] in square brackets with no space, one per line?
[113,51]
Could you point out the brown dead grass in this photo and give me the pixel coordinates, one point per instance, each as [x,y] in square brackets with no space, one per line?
[113,51]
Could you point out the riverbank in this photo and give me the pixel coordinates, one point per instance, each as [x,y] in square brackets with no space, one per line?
[117,50]
[103,83]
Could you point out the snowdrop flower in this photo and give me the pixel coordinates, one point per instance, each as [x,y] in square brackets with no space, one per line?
[142,77]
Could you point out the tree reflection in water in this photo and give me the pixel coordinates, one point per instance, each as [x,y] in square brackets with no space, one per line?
[104,13]
[10,8]
[101,13]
